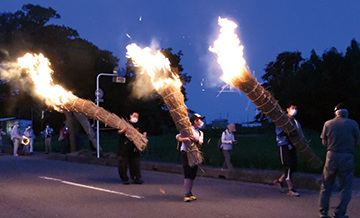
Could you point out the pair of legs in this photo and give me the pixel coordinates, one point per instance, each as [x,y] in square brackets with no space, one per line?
[342,166]
[288,156]
[133,162]
[189,176]
[48,145]
[227,162]
[16,146]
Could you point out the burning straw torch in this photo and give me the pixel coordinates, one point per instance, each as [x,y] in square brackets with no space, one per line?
[168,85]
[38,67]
[235,73]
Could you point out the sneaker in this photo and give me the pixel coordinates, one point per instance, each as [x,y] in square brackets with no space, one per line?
[192,197]
[187,199]
[138,181]
[15,155]
[293,193]
[279,185]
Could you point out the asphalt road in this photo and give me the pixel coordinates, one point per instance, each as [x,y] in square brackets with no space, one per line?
[38,187]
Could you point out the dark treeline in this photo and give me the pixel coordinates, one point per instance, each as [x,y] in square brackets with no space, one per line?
[76,63]
[316,84]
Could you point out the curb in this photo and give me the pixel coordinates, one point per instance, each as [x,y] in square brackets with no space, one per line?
[300,180]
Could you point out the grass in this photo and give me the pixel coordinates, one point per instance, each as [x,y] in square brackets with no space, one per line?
[256,148]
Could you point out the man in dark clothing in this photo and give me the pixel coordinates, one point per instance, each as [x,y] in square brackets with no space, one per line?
[339,135]
[129,155]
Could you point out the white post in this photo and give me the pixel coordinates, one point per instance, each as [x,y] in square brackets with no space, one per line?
[97,103]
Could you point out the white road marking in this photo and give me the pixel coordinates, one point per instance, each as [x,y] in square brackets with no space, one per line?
[91,187]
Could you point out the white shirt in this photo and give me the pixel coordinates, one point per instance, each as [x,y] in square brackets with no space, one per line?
[196,134]
[227,138]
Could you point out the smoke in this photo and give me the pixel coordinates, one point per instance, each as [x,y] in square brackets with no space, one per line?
[12,74]
[142,86]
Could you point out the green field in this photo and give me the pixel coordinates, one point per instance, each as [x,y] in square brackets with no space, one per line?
[256,148]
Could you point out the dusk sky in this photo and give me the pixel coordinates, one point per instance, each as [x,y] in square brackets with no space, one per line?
[265,28]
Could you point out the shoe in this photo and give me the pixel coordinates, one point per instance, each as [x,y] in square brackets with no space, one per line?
[15,155]
[335,216]
[293,193]
[279,185]
[126,183]
[138,181]
[192,197]
[187,199]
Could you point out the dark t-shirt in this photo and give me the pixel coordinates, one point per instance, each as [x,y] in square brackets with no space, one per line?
[127,147]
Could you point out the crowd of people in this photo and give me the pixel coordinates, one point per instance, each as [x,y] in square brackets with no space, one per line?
[339,135]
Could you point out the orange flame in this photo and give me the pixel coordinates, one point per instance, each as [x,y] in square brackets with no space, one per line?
[157,66]
[229,50]
[38,67]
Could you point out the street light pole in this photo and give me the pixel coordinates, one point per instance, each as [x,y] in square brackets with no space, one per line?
[98,92]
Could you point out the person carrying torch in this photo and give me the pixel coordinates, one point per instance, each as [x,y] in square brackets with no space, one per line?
[197,138]
[288,154]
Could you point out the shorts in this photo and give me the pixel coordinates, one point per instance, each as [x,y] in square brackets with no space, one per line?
[189,172]
[288,157]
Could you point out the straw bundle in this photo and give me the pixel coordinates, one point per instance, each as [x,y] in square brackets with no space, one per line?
[92,110]
[174,101]
[270,107]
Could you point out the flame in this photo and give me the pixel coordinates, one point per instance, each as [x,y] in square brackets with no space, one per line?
[38,67]
[157,66]
[229,50]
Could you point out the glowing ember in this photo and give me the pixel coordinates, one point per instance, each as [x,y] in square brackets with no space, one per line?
[39,69]
[157,66]
[229,50]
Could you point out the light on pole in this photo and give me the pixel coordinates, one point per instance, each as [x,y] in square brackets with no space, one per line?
[99,94]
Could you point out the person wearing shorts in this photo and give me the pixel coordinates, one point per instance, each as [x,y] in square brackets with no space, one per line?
[190,172]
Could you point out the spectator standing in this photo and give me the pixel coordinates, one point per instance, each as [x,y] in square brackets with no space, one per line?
[2,133]
[29,133]
[198,139]
[129,155]
[47,134]
[288,154]
[16,136]
[227,141]
[339,135]
[64,138]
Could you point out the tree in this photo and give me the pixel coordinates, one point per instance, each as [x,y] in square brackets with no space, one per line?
[73,59]
[316,84]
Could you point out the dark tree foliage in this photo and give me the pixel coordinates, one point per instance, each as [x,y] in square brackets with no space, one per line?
[75,61]
[316,84]
[76,64]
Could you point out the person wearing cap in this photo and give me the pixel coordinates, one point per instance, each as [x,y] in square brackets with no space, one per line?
[227,141]
[196,121]
[16,136]
[288,154]
[339,135]
[29,133]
